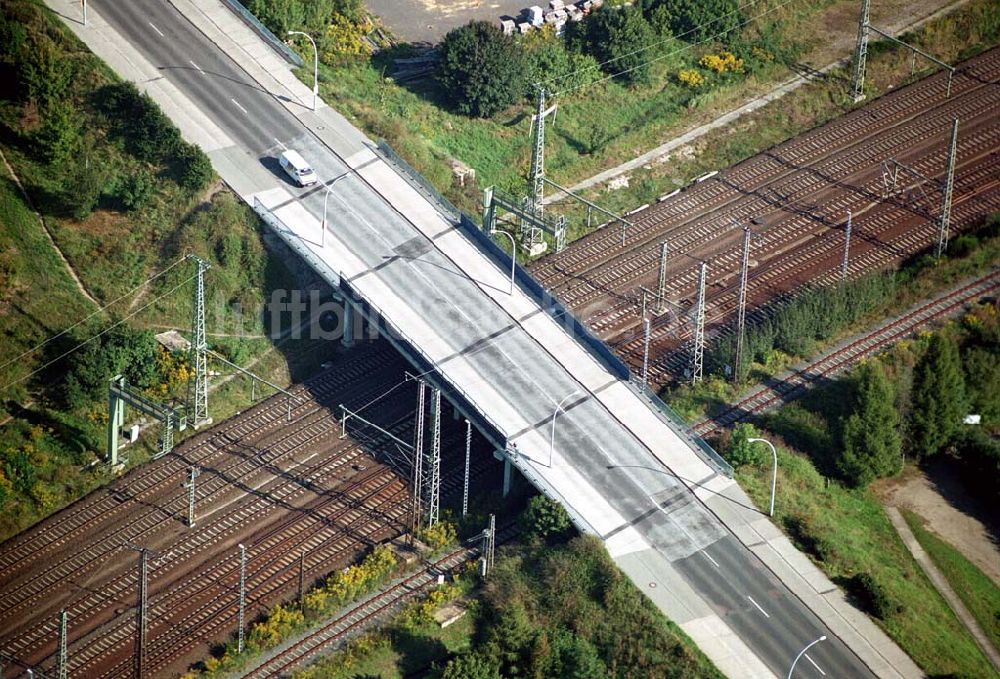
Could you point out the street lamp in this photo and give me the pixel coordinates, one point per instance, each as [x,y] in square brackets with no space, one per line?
[552,436]
[84,3]
[803,652]
[315,65]
[513,256]
[774,477]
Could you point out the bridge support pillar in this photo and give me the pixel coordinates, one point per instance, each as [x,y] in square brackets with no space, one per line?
[349,325]
[507,468]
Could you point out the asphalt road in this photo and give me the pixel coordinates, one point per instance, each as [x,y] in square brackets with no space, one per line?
[768,618]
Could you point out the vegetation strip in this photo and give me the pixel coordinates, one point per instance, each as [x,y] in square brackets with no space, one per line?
[943,587]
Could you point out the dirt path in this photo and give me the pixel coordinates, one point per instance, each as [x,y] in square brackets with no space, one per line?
[45,230]
[894,17]
[938,497]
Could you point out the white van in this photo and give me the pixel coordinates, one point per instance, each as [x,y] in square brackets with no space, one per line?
[297,168]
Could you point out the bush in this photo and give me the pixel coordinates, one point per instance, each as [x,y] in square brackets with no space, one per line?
[192,168]
[544,519]
[741,451]
[136,119]
[697,20]
[133,191]
[482,71]
[873,597]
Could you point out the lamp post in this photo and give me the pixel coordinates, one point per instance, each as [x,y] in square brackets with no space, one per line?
[552,436]
[84,3]
[774,476]
[802,653]
[513,256]
[315,65]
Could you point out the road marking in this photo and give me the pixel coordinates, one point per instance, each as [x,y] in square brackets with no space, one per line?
[709,557]
[818,668]
[758,606]
[238,106]
[283,147]
[196,66]
[156,29]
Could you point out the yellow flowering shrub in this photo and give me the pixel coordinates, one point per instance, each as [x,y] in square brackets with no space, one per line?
[439,535]
[724,62]
[691,78]
[345,38]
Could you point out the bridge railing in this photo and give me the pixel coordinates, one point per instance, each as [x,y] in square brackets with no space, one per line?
[264,32]
[677,424]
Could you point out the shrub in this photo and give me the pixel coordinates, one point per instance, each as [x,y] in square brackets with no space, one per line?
[439,535]
[741,451]
[873,597]
[697,20]
[691,78]
[138,122]
[193,169]
[724,62]
[544,519]
[133,191]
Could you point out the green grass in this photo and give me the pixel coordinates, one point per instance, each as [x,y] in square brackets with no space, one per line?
[979,594]
[847,532]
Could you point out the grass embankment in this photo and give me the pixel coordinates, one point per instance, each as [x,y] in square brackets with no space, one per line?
[979,594]
[123,197]
[602,126]
[846,533]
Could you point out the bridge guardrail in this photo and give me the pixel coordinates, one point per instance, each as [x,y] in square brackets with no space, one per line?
[264,32]
[682,429]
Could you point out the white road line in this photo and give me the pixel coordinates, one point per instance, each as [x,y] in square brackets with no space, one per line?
[758,606]
[278,141]
[156,29]
[818,668]
[709,557]
[196,66]
[238,106]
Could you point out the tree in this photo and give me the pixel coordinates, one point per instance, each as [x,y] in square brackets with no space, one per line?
[872,447]
[544,519]
[481,69]
[617,37]
[938,396]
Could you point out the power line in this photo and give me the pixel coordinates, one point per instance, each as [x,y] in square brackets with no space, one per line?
[668,54]
[100,334]
[100,310]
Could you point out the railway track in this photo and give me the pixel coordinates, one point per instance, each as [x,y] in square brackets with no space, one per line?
[330,527]
[765,397]
[372,609]
[800,191]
